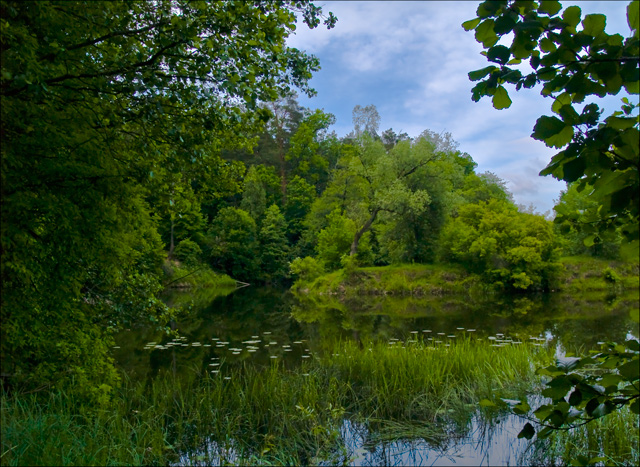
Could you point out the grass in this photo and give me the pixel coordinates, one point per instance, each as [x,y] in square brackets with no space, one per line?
[589,274]
[271,415]
[613,438]
[581,274]
[416,389]
[404,279]
[181,276]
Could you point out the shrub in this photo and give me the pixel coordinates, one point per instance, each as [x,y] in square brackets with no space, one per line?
[306,269]
[188,252]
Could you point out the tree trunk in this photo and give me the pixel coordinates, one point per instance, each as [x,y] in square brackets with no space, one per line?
[360,233]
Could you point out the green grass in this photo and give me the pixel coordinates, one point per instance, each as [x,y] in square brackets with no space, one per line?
[404,279]
[614,438]
[271,415]
[178,275]
[589,274]
[581,274]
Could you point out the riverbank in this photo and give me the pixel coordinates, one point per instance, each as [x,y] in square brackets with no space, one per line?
[179,276]
[579,274]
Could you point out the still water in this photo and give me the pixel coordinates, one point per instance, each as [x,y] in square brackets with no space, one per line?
[259,326]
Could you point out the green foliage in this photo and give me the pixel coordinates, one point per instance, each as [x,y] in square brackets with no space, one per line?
[335,239]
[307,269]
[113,116]
[583,389]
[611,276]
[507,247]
[601,157]
[254,197]
[234,243]
[575,60]
[300,197]
[574,210]
[274,248]
[189,252]
[305,144]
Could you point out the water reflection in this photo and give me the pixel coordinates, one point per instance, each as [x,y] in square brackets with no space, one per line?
[261,325]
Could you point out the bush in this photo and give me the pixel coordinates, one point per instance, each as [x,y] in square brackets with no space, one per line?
[306,269]
[611,276]
[188,252]
[505,246]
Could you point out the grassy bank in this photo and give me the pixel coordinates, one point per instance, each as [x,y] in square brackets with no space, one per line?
[589,274]
[579,274]
[180,276]
[404,279]
[270,415]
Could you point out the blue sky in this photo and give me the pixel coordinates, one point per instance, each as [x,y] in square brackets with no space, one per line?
[411,59]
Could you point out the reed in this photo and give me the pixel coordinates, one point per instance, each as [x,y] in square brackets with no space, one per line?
[271,415]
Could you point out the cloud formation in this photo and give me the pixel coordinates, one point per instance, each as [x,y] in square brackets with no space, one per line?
[411,60]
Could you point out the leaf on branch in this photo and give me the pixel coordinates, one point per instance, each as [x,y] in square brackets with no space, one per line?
[501,99]
[553,131]
[527,432]
[471,24]
[479,74]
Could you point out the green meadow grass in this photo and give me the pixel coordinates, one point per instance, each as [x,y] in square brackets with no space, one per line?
[271,415]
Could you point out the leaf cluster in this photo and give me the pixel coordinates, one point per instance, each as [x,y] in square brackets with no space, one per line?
[574,60]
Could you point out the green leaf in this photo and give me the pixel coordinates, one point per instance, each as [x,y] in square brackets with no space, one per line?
[547,45]
[501,99]
[479,74]
[633,15]
[575,398]
[471,24]
[630,370]
[594,24]
[499,54]
[553,131]
[560,101]
[527,432]
[486,34]
[572,16]
[620,123]
[487,403]
[549,6]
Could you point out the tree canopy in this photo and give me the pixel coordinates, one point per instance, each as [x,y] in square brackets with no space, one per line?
[575,61]
[103,105]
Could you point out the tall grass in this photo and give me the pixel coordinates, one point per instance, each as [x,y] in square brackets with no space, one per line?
[615,438]
[272,415]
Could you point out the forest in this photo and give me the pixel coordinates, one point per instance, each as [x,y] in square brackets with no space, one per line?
[156,145]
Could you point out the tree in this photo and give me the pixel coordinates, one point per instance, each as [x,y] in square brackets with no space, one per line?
[600,154]
[299,200]
[304,152]
[572,65]
[233,239]
[366,120]
[384,180]
[97,99]
[254,197]
[576,208]
[509,248]
[274,249]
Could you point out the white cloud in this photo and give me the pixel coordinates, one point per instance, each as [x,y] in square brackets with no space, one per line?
[411,60]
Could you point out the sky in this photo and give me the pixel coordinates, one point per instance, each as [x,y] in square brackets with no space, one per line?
[411,59]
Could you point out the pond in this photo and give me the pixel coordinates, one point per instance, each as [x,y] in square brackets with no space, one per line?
[225,334]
